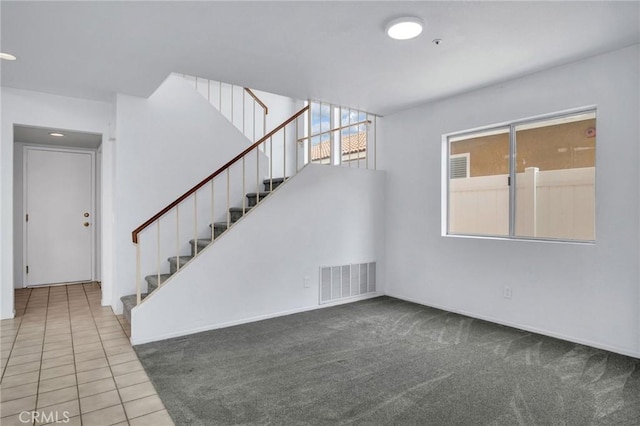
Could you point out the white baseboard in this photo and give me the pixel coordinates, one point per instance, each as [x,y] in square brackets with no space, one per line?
[135,341]
[622,351]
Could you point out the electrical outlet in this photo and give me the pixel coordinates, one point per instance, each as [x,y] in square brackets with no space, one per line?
[306,282]
[507,292]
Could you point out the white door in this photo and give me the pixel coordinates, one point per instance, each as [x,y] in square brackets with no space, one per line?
[59,222]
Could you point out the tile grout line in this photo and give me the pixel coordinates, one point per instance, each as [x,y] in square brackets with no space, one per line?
[107,358]
[44,333]
[4,370]
[73,353]
[123,329]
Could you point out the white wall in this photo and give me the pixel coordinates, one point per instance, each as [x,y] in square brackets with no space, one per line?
[249,119]
[324,216]
[282,108]
[580,292]
[234,104]
[97,220]
[43,110]
[165,145]
[108,220]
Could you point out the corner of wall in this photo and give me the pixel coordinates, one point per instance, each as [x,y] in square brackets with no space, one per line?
[557,287]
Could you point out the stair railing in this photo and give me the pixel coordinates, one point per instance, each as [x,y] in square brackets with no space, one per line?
[341,136]
[238,104]
[281,143]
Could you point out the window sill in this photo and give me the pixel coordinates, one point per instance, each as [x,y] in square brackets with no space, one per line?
[522,239]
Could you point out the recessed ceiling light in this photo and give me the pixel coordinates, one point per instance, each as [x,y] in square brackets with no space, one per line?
[404,28]
[7,56]
[56,134]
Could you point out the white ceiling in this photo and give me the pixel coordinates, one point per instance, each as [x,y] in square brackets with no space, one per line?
[40,136]
[330,51]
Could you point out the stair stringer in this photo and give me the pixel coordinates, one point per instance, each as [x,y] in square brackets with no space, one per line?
[323,216]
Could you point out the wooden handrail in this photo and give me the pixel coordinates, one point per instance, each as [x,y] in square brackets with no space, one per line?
[202,183]
[360,123]
[255,98]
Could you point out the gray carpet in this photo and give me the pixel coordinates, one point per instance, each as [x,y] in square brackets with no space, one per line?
[389,362]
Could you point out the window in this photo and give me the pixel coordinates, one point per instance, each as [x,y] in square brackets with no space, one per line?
[531,179]
[340,136]
[479,204]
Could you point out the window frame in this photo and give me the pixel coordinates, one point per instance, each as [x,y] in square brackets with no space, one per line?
[511,126]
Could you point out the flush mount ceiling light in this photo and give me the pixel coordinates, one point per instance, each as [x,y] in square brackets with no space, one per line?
[404,28]
[56,134]
[7,56]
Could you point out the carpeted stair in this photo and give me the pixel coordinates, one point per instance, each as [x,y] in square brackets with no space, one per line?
[235,213]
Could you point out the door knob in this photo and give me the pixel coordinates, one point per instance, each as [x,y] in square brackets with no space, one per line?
[86,224]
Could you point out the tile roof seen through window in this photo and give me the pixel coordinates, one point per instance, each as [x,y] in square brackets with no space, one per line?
[350,144]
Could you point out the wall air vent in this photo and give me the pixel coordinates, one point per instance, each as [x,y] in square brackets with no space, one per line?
[341,282]
[459,166]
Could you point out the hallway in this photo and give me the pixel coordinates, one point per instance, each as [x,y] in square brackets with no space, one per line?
[66,356]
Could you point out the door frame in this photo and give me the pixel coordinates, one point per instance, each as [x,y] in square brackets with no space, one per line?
[25,197]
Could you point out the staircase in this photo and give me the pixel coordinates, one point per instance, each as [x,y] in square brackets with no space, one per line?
[217,229]
[283,151]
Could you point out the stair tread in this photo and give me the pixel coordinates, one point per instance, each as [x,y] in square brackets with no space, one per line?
[221,224]
[239,209]
[262,194]
[201,241]
[154,277]
[131,300]
[152,281]
[275,180]
[182,258]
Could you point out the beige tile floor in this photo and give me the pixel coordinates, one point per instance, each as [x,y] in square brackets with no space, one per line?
[65,356]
